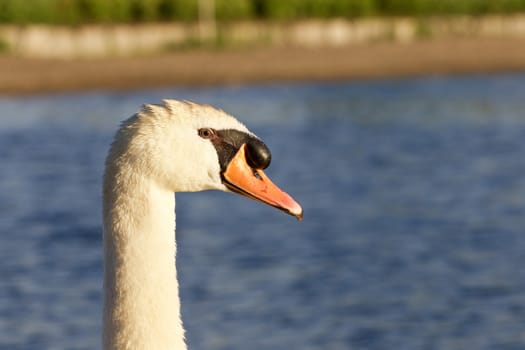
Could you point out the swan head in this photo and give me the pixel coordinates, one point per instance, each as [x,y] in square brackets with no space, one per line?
[187,147]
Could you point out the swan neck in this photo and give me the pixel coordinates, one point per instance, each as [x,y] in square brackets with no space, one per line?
[141,298]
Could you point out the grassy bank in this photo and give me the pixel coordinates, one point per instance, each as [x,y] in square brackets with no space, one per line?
[75,12]
[201,67]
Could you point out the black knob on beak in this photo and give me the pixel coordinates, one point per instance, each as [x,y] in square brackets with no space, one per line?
[257,155]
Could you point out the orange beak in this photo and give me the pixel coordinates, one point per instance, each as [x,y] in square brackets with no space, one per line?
[254,184]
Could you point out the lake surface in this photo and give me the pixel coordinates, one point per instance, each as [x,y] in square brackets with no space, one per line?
[412,238]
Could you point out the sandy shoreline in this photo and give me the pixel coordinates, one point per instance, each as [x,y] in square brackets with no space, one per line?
[200,67]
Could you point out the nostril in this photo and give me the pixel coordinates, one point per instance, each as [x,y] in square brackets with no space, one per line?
[258,155]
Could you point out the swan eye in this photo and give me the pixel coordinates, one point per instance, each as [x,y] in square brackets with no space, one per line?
[206,133]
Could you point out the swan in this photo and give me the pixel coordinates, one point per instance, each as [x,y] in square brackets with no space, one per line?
[173,146]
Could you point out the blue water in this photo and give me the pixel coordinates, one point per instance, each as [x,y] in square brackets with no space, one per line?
[414,198]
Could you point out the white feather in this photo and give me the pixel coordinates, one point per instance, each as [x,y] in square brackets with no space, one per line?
[156,152]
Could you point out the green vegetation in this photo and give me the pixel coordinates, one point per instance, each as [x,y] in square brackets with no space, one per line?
[4,46]
[138,11]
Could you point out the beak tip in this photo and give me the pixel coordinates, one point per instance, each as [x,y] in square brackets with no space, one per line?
[297,212]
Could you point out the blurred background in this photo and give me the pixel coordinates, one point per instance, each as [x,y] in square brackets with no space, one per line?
[398,125]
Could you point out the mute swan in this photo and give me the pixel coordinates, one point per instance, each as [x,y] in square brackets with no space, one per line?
[162,149]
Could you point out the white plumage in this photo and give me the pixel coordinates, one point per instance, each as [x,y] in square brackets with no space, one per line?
[155,153]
